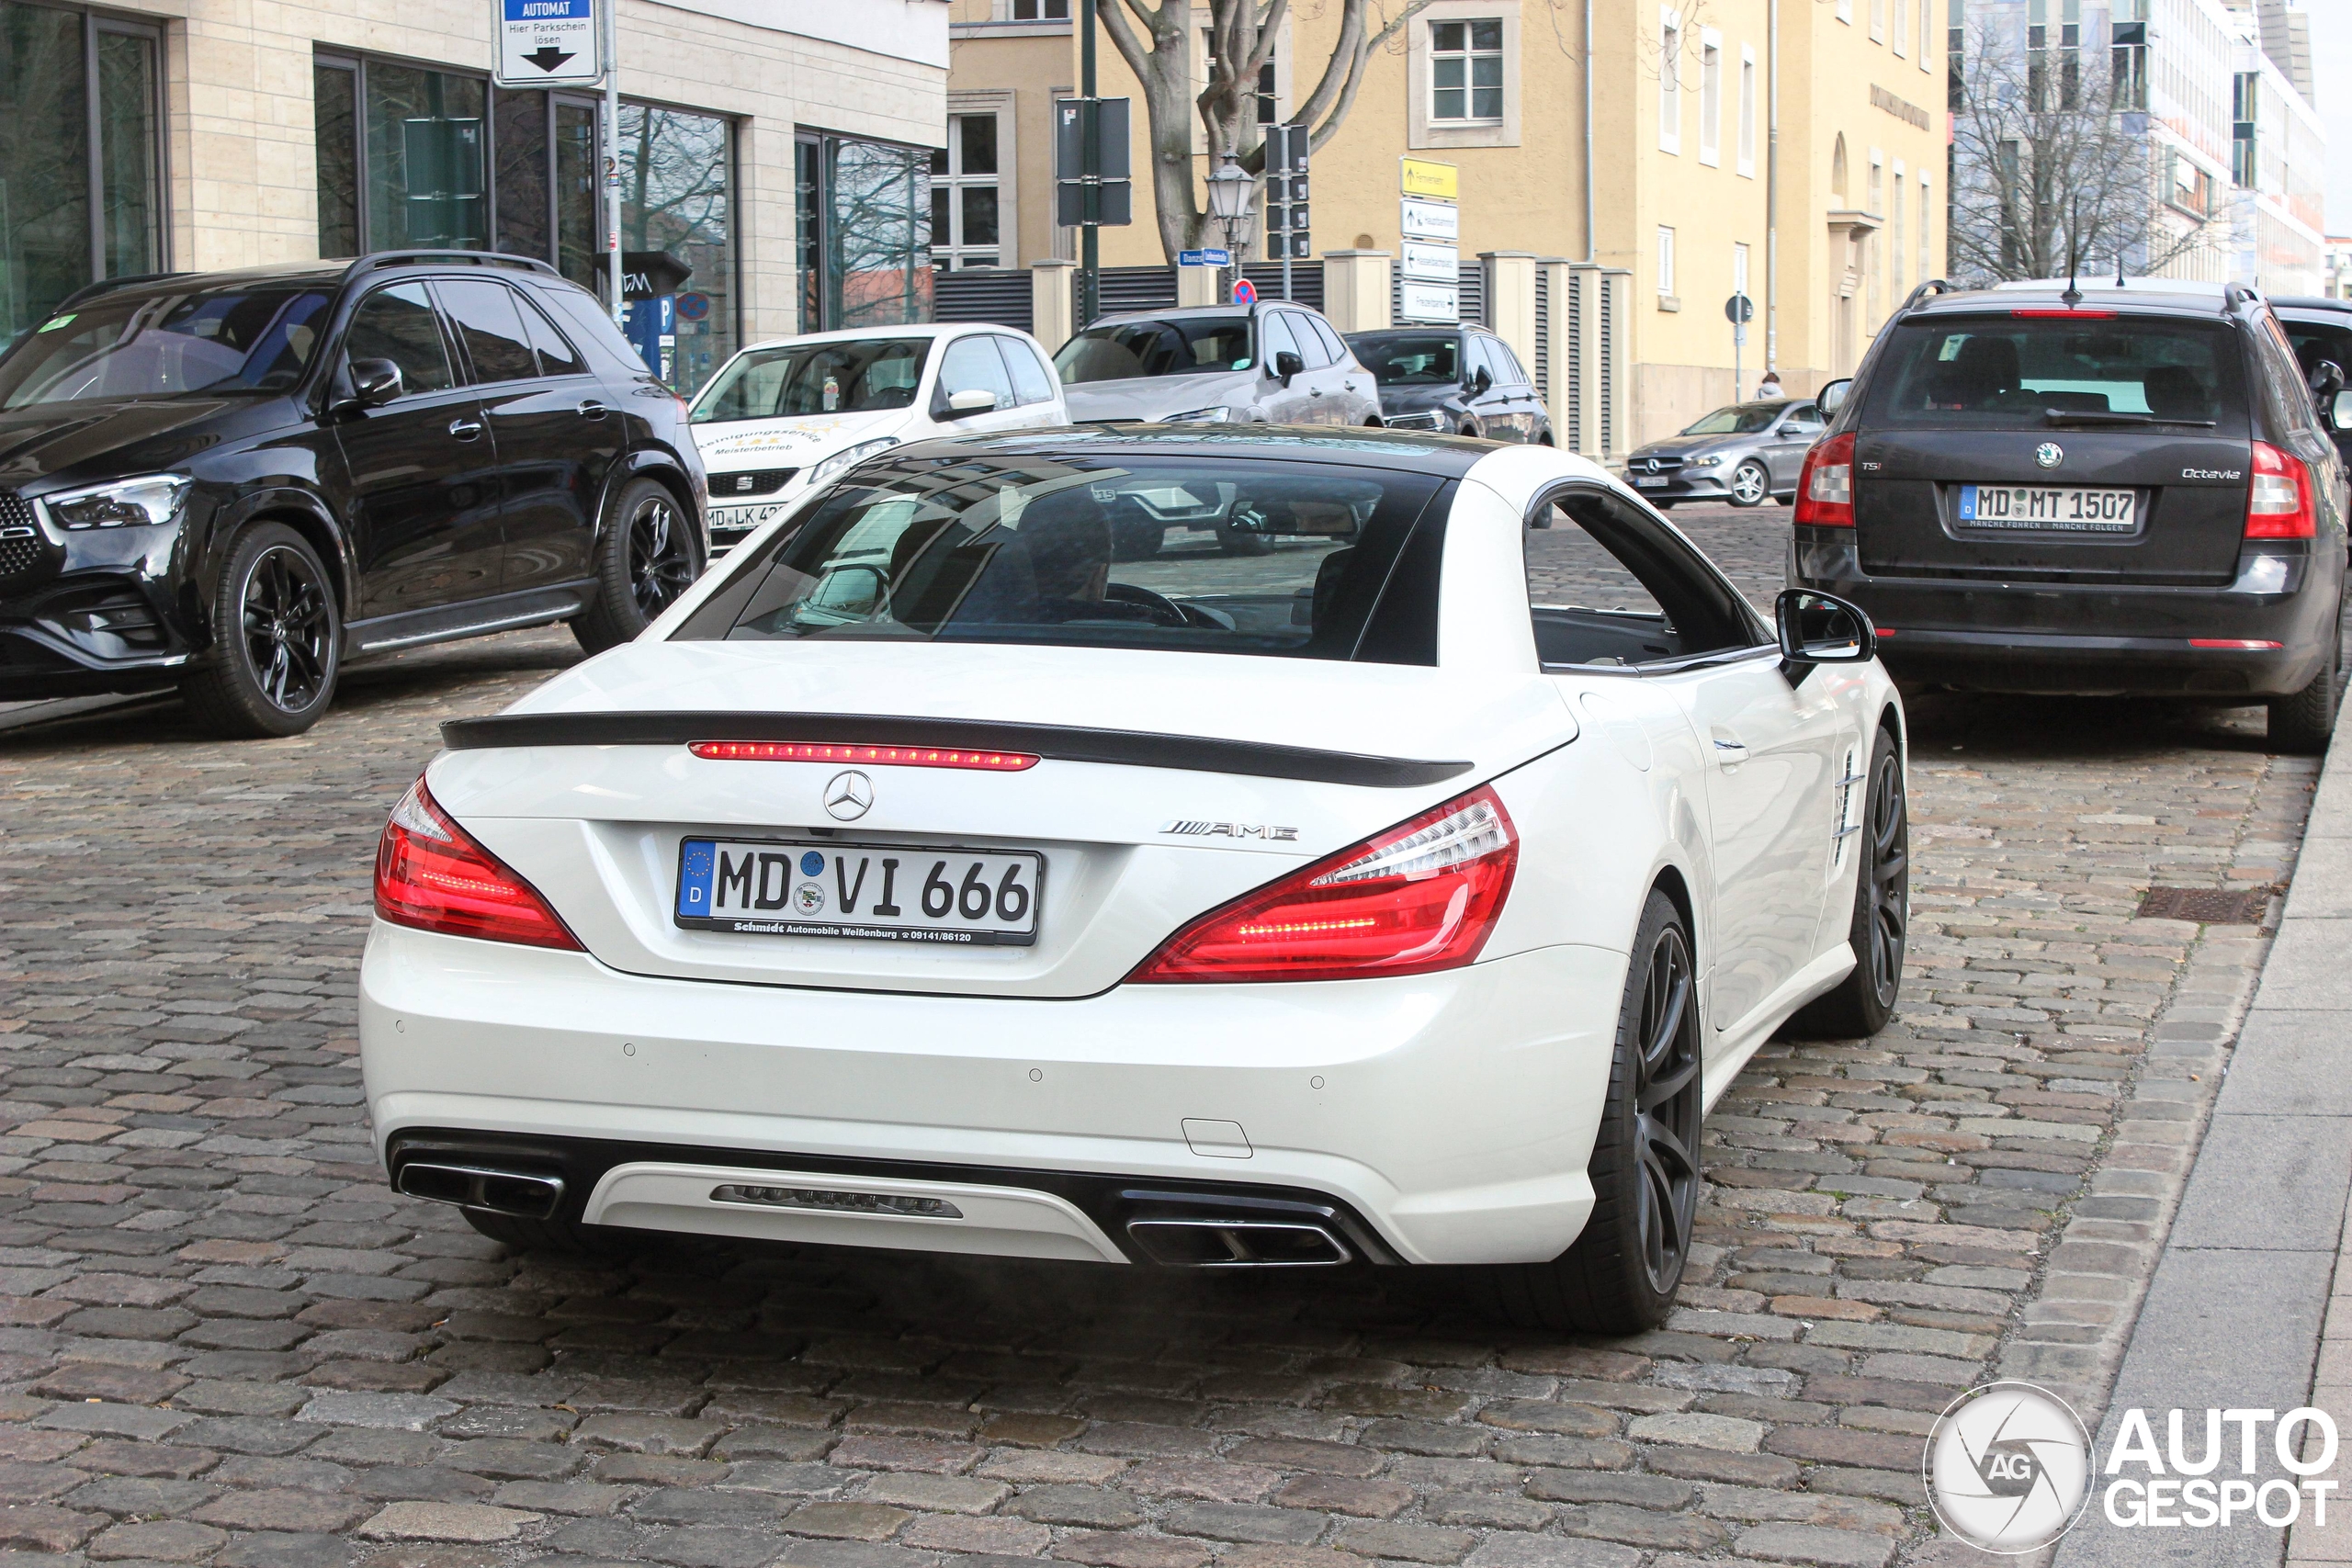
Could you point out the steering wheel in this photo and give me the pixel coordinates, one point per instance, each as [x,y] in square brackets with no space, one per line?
[1163,611]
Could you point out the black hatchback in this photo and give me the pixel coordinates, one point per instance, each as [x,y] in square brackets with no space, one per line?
[232,482]
[2117,491]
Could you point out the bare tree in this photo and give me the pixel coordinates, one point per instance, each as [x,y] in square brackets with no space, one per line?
[2054,172]
[1155,41]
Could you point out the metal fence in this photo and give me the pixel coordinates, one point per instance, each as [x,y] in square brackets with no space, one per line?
[999,295]
[1003,295]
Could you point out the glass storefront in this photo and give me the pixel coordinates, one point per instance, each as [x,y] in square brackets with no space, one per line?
[410,156]
[81,163]
[865,211]
[677,195]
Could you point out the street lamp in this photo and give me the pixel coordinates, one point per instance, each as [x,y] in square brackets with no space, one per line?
[1229,191]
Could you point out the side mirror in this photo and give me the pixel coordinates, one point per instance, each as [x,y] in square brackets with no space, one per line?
[1832,398]
[1287,364]
[2340,411]
[1481,381]
[374,382]
[1821,628]
[971,399]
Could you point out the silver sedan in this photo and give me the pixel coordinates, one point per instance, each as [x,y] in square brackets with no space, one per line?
[1740,454]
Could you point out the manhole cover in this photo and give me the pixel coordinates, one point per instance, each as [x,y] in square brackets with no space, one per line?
[2207,905]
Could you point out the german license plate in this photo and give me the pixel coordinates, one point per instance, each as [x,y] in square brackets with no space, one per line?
[771,887]
[736,519]
[2058,508]
[1658,483]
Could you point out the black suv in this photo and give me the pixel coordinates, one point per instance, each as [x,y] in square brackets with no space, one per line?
[1457,380]
[2110,491]
[233,481]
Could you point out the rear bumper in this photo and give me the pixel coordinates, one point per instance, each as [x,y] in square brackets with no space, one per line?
[1450,1116]
[2268,634]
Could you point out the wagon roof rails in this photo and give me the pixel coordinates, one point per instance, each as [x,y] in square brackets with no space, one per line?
[2237,294]
[379,260]
[1932,286]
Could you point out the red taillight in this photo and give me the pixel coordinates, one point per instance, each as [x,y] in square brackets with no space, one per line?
[2064,315]
[1825,490]
[430,874]
[2278,503]
[878,756]
[2237,644]
[1425,895]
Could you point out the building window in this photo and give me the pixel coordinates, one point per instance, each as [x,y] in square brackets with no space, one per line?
[1666,262]
[1041,10]
[964,227]
[1927,211]
[1927,30]
[2245,106]
[1748,110]
[81,166]
[1739,269]
[1901,41]
[1670,81]
[2189,190]
[1711,98]
[1878,21]
[864,222]
[1466,70]
[1895,258]
[408,157]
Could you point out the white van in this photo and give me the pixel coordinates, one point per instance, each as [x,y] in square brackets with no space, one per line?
[783,417]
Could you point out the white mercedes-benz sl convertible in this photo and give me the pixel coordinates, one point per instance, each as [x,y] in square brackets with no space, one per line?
[1152,846]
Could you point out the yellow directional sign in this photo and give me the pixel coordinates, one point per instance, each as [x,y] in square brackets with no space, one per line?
[1422,177]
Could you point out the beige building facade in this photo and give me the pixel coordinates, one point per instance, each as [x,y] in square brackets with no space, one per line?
[1607,242]
[783,152]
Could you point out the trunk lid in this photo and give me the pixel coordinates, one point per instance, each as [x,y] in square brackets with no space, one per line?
[2188,505]
[599,828]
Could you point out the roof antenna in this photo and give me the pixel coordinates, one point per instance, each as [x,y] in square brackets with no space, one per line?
[2118,266]
[2073,296]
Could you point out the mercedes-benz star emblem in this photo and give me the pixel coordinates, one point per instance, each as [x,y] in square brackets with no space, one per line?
[848,797]
[2050,454]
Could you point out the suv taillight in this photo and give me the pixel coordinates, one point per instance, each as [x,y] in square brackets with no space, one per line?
[1425,895]
[1825,490]
[430,874]
[2278,503]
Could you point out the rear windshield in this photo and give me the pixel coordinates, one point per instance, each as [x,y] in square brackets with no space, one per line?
[1121,351]
[167,346]
[815,378]
[1233,556]
[1410,361]
[2005,371]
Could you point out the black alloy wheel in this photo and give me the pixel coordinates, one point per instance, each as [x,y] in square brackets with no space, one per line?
[1621,1273]
[649,555]
[1666,1111]
[661,567]
[1880,931]
[278,639]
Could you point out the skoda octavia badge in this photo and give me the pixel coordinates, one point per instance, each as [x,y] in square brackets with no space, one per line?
[2050,454]
[848,797]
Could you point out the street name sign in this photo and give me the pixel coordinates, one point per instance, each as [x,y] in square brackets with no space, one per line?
[548,43]
[1213,256]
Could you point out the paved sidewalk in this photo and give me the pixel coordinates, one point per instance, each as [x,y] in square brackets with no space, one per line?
[2240,1311]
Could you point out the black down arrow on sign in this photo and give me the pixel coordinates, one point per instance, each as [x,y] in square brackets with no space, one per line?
[546,57]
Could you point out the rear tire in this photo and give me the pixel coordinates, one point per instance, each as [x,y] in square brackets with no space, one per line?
[647,555]
[1621,1274]
[1880,930]
[2302,724]
[546,1236]
[277,641]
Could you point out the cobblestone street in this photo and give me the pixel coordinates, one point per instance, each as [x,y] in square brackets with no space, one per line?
[224,1340]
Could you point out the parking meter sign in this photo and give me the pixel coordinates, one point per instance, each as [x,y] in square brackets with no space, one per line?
[548,43]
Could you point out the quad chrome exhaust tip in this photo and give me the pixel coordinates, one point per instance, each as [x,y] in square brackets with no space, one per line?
[1218,1241]
[524,1194]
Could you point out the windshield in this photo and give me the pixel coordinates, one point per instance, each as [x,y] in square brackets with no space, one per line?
[1410,361]
[1232,556]
[863,376]
[1119,351]
[167,346]
[1988,372]
[1740,419]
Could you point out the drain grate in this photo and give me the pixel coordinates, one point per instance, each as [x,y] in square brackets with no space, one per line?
[2207,905]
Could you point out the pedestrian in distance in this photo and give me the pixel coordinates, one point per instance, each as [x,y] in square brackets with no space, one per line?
[1771,386]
